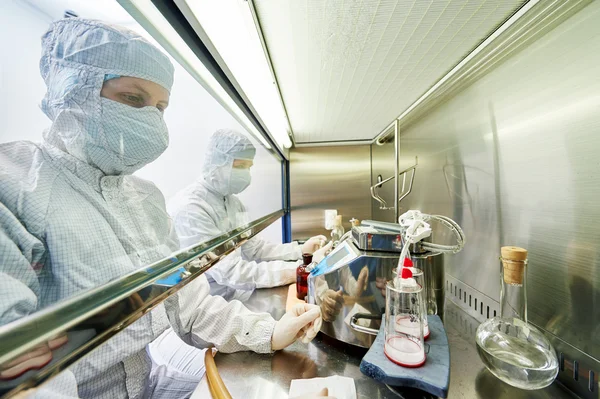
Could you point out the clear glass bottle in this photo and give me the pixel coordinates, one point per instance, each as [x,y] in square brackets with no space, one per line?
[338,231]
[513,350]
[404,321]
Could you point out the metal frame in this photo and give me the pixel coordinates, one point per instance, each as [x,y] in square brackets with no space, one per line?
[286,222]
[138,287]
[190,34]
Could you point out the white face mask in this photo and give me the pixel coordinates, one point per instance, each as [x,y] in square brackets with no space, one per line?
[240,180]
[134,137]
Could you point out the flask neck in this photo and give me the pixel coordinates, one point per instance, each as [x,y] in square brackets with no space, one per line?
[513,296]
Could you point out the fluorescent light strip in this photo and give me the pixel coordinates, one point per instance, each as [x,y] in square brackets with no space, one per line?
[232,30]
[468,58]
[202,75]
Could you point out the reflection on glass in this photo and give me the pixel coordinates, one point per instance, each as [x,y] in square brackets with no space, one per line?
[210,207]
[74,216]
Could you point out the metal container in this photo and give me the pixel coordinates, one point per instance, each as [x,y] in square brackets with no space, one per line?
[349,286]
[432,265]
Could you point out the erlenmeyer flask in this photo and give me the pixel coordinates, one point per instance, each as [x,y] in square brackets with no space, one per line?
[404,321]
[417,274]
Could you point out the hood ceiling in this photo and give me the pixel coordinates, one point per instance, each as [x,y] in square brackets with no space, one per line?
[347,69]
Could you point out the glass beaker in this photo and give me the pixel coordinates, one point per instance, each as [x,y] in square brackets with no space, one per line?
[417,274]
[404,320]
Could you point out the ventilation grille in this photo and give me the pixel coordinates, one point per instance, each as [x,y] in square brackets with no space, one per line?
[347,68]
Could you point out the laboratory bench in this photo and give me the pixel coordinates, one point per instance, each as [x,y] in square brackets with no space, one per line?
[251,375]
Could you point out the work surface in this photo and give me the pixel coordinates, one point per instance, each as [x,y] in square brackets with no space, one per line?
[250,375]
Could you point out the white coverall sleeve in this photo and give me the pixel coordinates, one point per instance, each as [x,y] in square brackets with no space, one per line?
[259,249]
[20,253]
[203,320]
[235,272]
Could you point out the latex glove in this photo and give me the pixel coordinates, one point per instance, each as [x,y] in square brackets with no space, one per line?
[313,243]
[362,281]
[319,255]
[302,321]
[331,304]
[322,394]
[36,358]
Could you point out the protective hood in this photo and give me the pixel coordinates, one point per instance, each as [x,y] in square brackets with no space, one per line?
[218,173]
[77,54]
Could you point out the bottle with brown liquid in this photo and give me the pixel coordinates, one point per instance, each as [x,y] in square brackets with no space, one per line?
[302,276]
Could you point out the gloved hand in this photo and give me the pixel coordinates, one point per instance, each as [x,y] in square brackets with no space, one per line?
[322,394]
[302,321]
[362,281]
[313,243]
[322,253]
[331,304]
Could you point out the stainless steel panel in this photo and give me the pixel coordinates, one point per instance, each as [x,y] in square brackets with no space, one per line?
[328,178]
[513,159]
[252,375]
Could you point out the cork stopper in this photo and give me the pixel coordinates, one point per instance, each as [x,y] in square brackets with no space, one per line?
[355,222]
[338,220]
[513,262]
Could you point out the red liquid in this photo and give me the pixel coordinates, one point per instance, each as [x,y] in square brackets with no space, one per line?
[301,282]
[302,277]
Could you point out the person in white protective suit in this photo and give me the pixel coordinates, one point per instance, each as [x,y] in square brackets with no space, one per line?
[209,208]
[72,217]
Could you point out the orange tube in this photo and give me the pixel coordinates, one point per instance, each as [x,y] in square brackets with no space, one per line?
[217,387]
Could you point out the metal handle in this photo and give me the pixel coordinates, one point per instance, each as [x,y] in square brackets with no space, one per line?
[375,195]
[367,330]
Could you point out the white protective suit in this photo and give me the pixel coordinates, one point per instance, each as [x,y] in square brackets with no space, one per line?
[209,208]
[72,217]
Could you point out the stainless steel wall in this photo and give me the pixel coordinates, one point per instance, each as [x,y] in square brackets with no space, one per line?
[328,178]
[515,160]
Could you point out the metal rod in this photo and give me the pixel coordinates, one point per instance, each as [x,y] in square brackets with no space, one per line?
[396,168]
[20,336]
[375,195]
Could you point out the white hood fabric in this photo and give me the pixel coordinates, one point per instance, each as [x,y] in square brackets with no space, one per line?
[77,54]
[224,147]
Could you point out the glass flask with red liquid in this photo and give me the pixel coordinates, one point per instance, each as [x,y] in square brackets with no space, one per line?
[404,321]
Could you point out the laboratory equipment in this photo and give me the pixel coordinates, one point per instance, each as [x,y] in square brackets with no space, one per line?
[360,267]
[512,349]
[417,275]
[330,215]
[302,276]
[405,320]
[338,230]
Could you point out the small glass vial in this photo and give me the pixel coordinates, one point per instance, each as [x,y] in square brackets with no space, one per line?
[512,349]
[302,273]
[338,231]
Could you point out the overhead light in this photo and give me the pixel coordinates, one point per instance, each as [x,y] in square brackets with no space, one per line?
[176,46]
[230,26]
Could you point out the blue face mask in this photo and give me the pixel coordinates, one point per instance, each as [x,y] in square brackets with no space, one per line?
[134,137]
